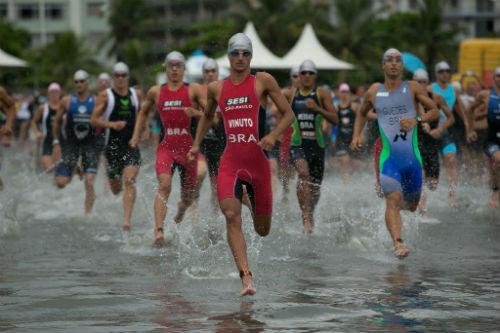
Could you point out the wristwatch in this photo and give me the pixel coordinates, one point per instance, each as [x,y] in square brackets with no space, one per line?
[419,119]
[55,142]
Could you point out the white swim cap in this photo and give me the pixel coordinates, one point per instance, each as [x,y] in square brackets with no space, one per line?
[294,70]
[421,75]
[497,70]
[307,66]
[239,41]
[390,51]
[175,56]
[120,67]
[81,75]
[210,64]
[104,77]
[442,65]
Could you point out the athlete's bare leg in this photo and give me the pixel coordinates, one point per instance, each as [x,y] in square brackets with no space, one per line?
[231,208]
[48,163]
[160,206]
[345,167]
[201,174]
[213,189]
[62,181]
[450,164]
[89,192]
[187,198]
[494,201]
[129,175]
[304,194]
[394,204]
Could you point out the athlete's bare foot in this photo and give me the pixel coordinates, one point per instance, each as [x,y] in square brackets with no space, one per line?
[400,250]
[494,199]
[159,238]
[247,284]
[126,226]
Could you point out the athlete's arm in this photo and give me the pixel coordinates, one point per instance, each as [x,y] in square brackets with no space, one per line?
[10,112]
[148,103]
[467,117]
[63,107]
[197,100]
[35,121]
[330,114]
[479,102]
[421,96]
[361,116]
[287,116]
[207,118]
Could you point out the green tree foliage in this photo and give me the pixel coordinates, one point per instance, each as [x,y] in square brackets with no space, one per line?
[57,61]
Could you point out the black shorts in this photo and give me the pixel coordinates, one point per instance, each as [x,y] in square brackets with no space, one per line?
[482,136]
[71,153]
[430,160]
[120,156]
[212,150]
[314,156]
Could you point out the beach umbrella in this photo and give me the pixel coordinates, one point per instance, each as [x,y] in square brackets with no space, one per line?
[411,62]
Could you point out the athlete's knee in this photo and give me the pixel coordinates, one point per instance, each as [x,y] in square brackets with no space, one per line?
[129,181]
[164,187]
[262,227]
[411,206]
[61,182]
[496,160]
[231,215]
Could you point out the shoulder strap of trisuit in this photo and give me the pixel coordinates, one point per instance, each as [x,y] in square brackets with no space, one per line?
[135,99]
[318,96]
[110,106]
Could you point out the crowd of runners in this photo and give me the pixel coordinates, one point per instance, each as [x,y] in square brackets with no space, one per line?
[250,135]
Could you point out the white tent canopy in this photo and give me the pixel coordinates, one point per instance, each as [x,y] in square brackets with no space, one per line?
[7,60]
[262,57]
[309,47]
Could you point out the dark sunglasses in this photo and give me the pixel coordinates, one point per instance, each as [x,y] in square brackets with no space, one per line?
[422,81]
[307,73]
[123,75]
[209,71]
[245,54]
[443,71]
[295,76]
[80,81]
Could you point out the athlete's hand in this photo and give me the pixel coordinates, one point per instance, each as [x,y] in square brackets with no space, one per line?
[118,125]
[426,128]
[267,142]
[471,136]
[133,142]
[191,112]
[436,133]
[356,143]
[193,152]
[407,124]
[38,136]
[311,104]
[56,150]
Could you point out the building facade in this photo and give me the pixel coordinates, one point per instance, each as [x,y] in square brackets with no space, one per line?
[44,19]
